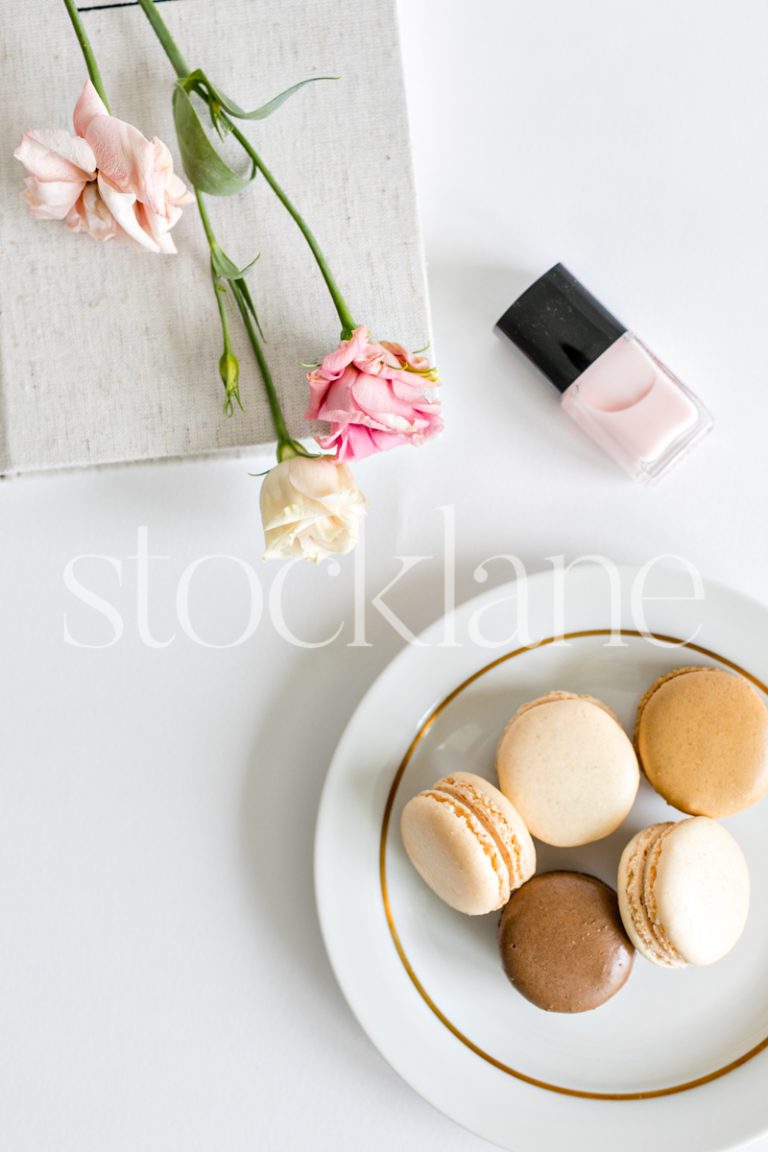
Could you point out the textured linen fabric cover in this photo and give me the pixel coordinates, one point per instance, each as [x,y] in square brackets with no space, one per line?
[109,353]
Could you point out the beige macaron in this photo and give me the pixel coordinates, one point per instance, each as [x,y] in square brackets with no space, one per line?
[569,768]
[468,843]
[683,892]
[702,739]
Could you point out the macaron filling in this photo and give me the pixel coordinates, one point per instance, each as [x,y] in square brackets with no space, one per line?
[648,902]
[651,938]
[484,838]
[467,842]
[684,892]
[493,821]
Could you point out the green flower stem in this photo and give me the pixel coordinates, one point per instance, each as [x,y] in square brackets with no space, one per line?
[285,445]
[167,42]
[87,50]
[284,440]
[219,291]
[345,316]
[182,71]
[209,235]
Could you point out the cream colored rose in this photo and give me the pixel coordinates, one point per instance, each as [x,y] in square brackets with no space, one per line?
[310,507]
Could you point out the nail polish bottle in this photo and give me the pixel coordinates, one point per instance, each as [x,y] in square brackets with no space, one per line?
[615,389]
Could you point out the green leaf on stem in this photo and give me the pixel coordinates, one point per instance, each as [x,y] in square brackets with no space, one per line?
[202,163]
[226,268]
[218,100]
[223,127]
[245,294]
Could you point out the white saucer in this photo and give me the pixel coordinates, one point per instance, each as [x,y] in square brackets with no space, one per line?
[678,1059]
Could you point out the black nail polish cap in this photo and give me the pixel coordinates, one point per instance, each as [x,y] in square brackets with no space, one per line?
[560,326]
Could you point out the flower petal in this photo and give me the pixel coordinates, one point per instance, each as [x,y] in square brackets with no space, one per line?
[90,214]
[310,507]
[351,442]
[122,205]
[162,187]
[52,154]
[89,105]
[50,200]
[376,399]
[334,396]
[122,154]
[405,359]
[335,362]
[158,227]
[374,396]
[177,193]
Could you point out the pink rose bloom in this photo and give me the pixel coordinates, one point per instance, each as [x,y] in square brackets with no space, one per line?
[373,396]
[107,180]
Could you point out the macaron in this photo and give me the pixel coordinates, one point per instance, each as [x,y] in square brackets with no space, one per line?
[683,892]
[468,843]
[568,767]
[702,739]
[562,942]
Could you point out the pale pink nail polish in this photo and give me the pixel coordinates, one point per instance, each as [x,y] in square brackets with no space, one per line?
[611,384]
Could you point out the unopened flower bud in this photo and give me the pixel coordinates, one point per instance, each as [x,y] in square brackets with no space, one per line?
[229,370]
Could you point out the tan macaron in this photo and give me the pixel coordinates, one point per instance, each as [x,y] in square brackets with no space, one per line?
[468,843]
[569,768]
[683,892]
[702,739]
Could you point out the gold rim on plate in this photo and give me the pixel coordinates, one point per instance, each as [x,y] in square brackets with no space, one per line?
[423,730]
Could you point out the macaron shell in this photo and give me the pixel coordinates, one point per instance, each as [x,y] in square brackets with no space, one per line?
[550,697]
[562,942]
[454,854]
[701,890]
[702,739]
[569,768]
[631,892]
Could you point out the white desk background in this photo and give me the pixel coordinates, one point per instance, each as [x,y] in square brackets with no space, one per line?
[163,986]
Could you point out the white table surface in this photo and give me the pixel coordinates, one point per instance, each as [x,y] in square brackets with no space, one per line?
[163,985]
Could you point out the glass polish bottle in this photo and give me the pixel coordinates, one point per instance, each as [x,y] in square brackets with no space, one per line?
[614,387]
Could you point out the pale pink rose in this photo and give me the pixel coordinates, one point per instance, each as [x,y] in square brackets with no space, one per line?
[373,396]
[108,180]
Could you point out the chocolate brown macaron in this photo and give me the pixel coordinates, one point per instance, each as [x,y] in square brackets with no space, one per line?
[563,944]
[702,740]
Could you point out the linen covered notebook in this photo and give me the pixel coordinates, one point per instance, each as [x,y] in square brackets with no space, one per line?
[109,353]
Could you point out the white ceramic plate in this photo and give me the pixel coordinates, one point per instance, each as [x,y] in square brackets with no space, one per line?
[677,1059]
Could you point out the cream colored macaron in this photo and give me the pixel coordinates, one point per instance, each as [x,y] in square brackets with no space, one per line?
[467,843]
[683,892]
[569,768]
